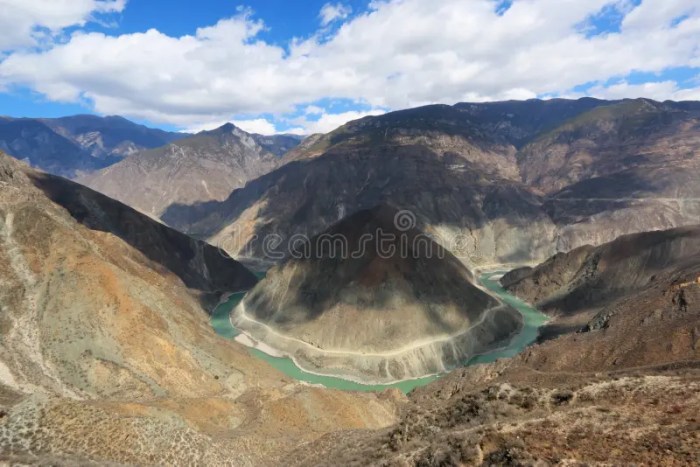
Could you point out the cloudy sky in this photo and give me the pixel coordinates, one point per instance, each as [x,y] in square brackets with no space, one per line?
[309,66]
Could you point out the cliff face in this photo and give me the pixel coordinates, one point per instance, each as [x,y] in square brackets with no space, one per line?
[107,354]
[381,310]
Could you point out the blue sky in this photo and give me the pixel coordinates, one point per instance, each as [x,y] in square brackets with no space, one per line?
[277,66]
[284,20]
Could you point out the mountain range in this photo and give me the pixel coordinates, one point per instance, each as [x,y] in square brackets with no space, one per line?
[506,187]
[588,208]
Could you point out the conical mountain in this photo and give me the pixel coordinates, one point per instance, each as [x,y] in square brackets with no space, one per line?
[373,298]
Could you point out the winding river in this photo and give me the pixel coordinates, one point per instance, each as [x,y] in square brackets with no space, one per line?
[532,320]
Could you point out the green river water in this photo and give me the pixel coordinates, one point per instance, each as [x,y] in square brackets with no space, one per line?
[532,319]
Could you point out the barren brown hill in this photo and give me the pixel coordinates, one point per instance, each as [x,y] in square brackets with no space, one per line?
[107,354]
[575,286]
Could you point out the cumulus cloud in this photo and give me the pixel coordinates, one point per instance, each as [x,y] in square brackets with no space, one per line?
[260,126]
[657,90]
[331,12]
[325,122]
[398,54]
[28,22]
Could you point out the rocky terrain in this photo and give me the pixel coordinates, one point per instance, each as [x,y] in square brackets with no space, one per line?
[588,281]
[482,219]
[507,182]
[625,389]
[618,169]
[374,310]
[204,167]
[69,146]
[279,145]
[107,355]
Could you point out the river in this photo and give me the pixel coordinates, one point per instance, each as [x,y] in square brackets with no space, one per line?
[532,321]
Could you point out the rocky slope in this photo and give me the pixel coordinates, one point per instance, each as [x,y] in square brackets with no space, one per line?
[37,144]
[625,168]
[625,390]
[107,354]
[609,139]
[376,301]
[482,219]
[578,284]
[201,168]
[508,182]
[72,145]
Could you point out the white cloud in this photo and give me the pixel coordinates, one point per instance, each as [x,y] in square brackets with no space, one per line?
[27,22]
[400,53]
[331,12]
[327,122]
[654,90]
[258,125]
[657,90]
[313,110]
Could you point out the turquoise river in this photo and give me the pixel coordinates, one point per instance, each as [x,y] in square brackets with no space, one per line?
[532,319]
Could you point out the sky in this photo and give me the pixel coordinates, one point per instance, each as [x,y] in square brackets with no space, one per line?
[307,66]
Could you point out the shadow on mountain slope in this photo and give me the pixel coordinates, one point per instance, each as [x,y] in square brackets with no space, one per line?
[199,265]
[306,197]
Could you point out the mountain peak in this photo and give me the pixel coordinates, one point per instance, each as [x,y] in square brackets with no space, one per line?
[225,128]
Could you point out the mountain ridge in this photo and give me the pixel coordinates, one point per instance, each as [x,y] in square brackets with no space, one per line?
[463,178]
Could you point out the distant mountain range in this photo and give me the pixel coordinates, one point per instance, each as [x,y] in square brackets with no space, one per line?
[147,168]
[83,143]
[513,181]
